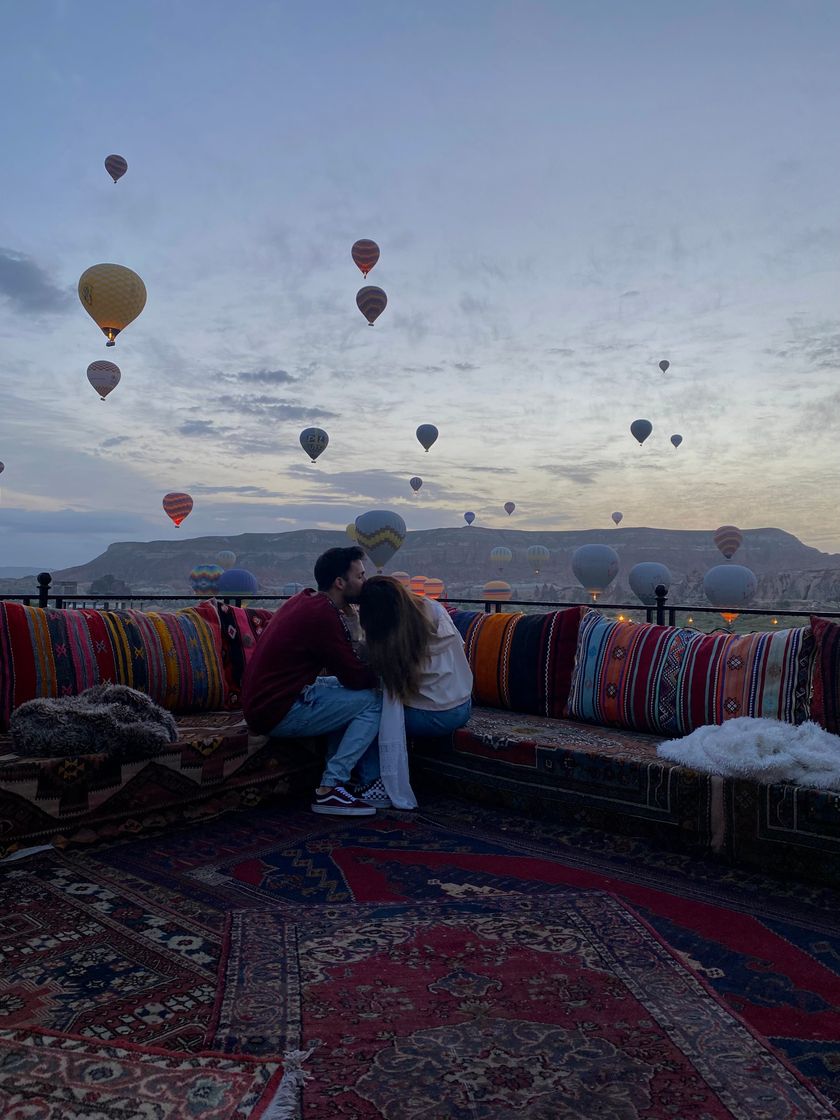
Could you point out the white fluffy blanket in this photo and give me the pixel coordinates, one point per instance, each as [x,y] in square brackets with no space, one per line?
[766,750]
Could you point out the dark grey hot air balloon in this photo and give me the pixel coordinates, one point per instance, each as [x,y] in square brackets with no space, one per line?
[427,434]
[595,567]
[116,166]
[641,429]
[415,483]
[676,440]
[314,441]
[664,365]
[371,302]
[644,579]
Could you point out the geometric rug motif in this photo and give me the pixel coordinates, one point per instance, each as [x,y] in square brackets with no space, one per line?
[495,1006]
[768,946]
[53,1077]
[80,957]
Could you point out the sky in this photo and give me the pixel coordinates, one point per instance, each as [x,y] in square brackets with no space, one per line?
[564,194]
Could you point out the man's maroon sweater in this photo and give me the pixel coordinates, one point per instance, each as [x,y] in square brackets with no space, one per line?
[305,636]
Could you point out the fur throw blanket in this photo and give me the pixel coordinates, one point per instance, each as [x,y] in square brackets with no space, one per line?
[765,750]
[106,719]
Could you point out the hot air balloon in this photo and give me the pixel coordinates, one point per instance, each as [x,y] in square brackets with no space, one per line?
[116,166]
[537,554]
[371,302]
[509,508]
[617,517]
[177,506]
[501,556]
[314,441]
[728,540]
[595,567]
[434,588]
[496,591]
[644,579]
[641,429]
[401,577]
[415,483]
[469,517]
[728,617]
[236,582]
[351,531]
[664,365]
[227,558]
[2,467]
[417,585]
[103,376]
[427,434]
[365,253]
[676,440]
[204,577]
[113,296]
[729,585]
[380,532]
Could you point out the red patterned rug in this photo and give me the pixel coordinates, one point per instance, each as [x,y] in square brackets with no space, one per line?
[500,1006]
[53,1077]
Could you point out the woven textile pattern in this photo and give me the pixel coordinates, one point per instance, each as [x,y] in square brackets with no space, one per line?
[521,662]
[174,657]
[241,629]
[670,681]
[825,707]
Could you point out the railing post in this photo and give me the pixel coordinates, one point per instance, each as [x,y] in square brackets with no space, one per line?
[44,581]
[661,593]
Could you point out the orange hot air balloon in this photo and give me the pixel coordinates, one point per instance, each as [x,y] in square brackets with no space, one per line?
[365,253]
[371,302]
[728,617]
[177,506]
[496,591]
[401,577]
[434,588]
[116,166]
[113,296]
[728,540]
[418,585]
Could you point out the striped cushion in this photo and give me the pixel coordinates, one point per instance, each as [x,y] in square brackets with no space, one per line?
[670,681]
[174,657]
[522,662]
[825,705]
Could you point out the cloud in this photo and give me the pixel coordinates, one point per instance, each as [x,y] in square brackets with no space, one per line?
[245,491]
[27,285]
[464,367]
[270,408]
[115,441]
[73,522]
[203,428]
[266,376]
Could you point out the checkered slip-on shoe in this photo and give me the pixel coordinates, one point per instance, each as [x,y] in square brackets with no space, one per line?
[338,802]
[374,794]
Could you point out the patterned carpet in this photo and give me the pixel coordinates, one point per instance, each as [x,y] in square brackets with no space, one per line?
[403,950]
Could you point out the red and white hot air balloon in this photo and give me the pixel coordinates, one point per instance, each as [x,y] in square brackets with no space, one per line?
[103,376]
[728,540]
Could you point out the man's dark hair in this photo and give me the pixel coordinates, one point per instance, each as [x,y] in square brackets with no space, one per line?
[335,564]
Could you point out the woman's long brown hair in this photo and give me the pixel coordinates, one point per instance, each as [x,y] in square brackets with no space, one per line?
[397,633]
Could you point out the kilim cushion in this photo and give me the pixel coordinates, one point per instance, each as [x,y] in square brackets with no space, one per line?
[825,704]
[522,662]
[242,628]
[671,680]
[174,657]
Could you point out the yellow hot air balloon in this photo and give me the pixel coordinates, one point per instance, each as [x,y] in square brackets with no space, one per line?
[113,296]
[351,531]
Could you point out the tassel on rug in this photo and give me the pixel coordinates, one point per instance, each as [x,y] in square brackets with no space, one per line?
[287,1100]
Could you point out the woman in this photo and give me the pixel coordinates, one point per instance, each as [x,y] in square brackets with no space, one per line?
[415,648]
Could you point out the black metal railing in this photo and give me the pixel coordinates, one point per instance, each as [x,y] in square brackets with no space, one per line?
[661,611]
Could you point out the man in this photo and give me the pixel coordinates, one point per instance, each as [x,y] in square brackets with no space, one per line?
[283,695]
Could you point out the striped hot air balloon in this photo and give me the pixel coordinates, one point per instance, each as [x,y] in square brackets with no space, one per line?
[113,296]
[365,253]
[538,554]
[227,558]
[401,577]
[418,585]
[728,540]
[103,376]
[116,166]
[371,302]
[435,588]
[380,532]
[496,591]
[500,555]
[177,506]
[204,577]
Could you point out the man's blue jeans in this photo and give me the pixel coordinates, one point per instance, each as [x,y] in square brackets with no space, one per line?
[327,706]
[421,724]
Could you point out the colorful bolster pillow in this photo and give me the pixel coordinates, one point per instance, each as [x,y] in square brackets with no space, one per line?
[175,657]
[825,705]
[242,628]
[522,662]
[670,681]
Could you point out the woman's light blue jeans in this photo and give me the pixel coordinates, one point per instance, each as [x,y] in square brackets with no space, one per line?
[421,724]
[327,706]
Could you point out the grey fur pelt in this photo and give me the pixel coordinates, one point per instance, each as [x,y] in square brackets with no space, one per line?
[106,719]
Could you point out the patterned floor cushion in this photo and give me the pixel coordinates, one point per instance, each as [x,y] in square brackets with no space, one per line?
[215,760]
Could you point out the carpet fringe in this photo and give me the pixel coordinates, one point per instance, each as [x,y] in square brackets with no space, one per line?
[285,1104]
